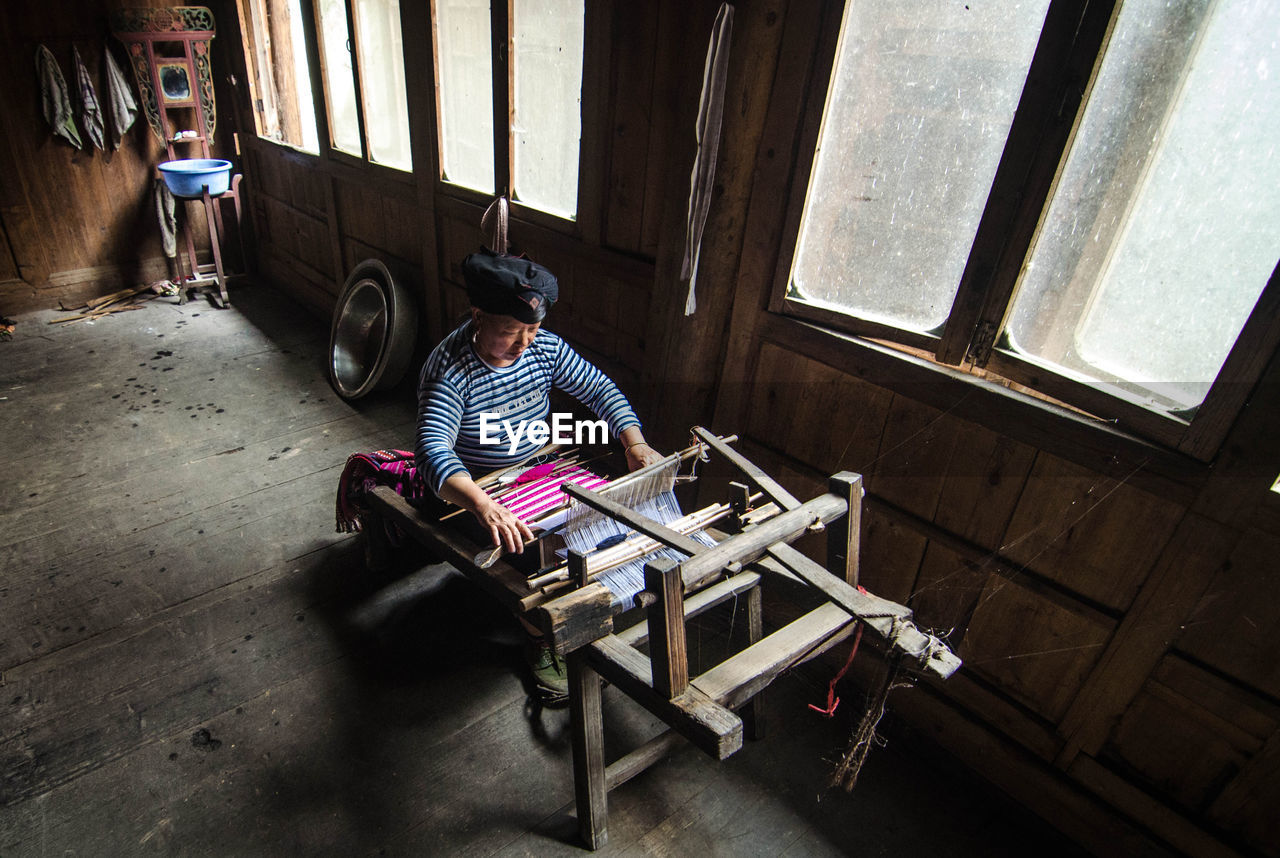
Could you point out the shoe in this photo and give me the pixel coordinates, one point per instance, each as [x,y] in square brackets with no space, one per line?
[548,670]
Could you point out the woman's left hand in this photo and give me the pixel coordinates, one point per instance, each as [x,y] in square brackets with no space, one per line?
[641,454]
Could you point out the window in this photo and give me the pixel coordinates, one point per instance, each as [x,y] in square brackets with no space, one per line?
[536,81]
[1109,256]
[364,80]
[276,56]
[1164,226]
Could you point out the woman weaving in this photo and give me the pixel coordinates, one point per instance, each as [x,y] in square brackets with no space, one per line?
[501,365]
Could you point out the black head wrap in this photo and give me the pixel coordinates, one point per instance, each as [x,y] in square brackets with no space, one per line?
[509,286]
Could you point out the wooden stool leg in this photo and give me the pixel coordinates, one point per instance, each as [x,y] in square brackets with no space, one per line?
[668,651]
[845,535]
[377,547]
[215,247]
[587,722]
[753,712]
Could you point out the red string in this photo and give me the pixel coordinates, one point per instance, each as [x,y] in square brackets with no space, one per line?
[832,700]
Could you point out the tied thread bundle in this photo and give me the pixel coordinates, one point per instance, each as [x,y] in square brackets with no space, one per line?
[864,736]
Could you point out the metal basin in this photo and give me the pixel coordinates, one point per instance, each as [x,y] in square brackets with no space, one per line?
[374,329]
[359,337]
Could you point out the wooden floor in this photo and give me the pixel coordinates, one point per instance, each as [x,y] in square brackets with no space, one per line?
[195,663]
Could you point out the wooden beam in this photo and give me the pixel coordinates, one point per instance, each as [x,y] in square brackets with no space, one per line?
[577,569]
[888,619]
[501,579]
[667,652]
[698,603]
[704,722]
[587,724]
[753,712]
[625,768]
[634,520]
[745,547]
[844,539]
[740,677]
[577,618]
[750,470]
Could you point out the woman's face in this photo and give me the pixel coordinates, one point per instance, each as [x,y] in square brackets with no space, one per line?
[500,340]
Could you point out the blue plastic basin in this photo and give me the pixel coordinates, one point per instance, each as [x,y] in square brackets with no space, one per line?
[187,178]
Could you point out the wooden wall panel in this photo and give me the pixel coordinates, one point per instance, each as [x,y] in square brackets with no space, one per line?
[1246,807]
[1183,707]
[946,593]
[1077,527]
[1235,627]
[359,212]
[402,224]
[590,313]
[912,462]
[1184,571]
[458,238]
[984,481]
[634,38]
[292,238]
[816,414]
[307,191]
[1036,649]
[891,557]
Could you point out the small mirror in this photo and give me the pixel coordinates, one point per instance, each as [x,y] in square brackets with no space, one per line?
[175,84]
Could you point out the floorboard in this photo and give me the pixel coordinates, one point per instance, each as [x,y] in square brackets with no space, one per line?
[195,662]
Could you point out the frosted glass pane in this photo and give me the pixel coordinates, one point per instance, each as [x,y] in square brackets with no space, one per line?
[339,85]
[547,103]
[464,78]
[1166,222]
[919,106]
[386,105]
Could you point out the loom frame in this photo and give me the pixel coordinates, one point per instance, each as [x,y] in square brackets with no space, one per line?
[718,708]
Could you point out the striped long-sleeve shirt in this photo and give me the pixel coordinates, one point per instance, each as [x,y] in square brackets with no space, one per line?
[456,389]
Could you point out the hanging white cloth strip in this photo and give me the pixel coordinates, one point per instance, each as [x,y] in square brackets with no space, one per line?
[710,112]
[120,101]
[90,110]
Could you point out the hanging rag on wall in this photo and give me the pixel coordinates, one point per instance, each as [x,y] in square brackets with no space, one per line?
[121,104]
[710,111]
[90,110]
[55,101]
[168,220]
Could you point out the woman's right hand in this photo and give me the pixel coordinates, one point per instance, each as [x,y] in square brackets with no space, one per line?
[507,531]
[504,528]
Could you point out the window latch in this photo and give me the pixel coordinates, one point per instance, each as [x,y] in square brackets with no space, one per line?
[984,341]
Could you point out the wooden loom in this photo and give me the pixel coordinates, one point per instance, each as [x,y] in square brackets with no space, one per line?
[578,614]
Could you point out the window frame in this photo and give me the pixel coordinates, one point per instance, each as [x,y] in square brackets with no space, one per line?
[319,75]
[1050,107]
[261,81]
[595,52]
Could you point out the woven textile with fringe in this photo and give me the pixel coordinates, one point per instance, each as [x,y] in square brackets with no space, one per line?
[364,472]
